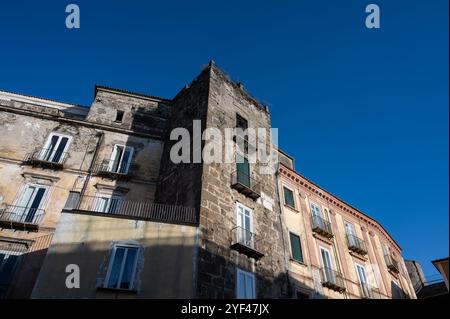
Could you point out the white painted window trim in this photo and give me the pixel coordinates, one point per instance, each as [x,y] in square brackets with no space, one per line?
[60,135]
[121,158]
[238,204]
[246,274]
[111,262]
[329,254]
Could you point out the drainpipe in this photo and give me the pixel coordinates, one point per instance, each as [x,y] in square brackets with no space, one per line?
[91,165]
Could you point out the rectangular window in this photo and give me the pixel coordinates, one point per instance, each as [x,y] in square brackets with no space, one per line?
[241,122]
[328,269]
[55,148]
[8,264]
[288,197]
[243,170]
[351,234]
[120,159]
[122,267]
[107,204]
[28,208]
[244,225]
[119,116]
[245,284]
[296,247]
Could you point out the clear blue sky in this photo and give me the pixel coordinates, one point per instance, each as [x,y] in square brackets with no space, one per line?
[364,112]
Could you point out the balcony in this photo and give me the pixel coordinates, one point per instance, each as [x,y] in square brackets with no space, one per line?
[113,169]
[332,279]
[321,226]
[356,245]
[21,218]
[244,241]
[120,208]
[391,263]
[246,185]
[46,158]
[369,292]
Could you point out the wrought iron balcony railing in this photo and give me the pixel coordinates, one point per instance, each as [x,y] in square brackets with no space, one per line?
[19,217]
[245,242]
[356,244]
[391,263]
[321,226]
[46,157]
[369,292]
[116,206]
[113,169]
[332,279]
[245,184]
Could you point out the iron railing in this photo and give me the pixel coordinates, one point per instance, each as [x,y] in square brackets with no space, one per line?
[321,226]
[356,244]
[112,167]
[391,263]
[46,156]
[117,206]
[21,215]
[243,236]
[245,241]
[246,184]
[369,292]
[332,279]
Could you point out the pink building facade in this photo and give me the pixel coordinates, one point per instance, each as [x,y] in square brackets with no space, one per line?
[333,249]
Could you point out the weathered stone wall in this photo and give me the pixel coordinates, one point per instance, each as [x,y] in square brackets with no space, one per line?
[180,184]
[217,262]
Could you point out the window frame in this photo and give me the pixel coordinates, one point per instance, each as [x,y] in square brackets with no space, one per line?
[246,274]
[110,166]
[284,197]
[47,144]
[122,266]
[302,261]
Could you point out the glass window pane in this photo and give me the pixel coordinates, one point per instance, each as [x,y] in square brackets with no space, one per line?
[126,280]
[241,285]
[115,268]
[289,197]
[296,247]
[249,287]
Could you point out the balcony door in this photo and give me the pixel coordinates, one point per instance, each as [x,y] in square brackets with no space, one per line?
[361,272]
[120,159]
[54,148]
[30,201]
[244,225]
[351,233]
[107,204]
[327,263]
[243,170]
[317,216]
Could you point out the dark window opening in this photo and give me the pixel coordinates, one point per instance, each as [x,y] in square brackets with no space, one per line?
[119,116]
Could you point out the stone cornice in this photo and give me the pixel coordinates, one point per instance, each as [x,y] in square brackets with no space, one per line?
[336,202]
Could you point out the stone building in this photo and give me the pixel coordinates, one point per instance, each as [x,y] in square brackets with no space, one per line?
[335,250]
[99,185]
[95,191]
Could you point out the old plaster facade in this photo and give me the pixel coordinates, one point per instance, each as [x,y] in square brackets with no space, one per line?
[95,187]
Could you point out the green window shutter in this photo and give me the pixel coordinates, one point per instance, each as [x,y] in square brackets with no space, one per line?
[288,197]
[296,247]
[243,170]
